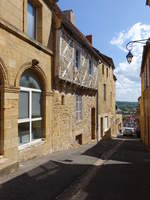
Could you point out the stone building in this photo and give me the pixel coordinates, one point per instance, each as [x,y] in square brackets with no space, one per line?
[75,84]
[26,62]
[145,96]
[106,97]
[49,81]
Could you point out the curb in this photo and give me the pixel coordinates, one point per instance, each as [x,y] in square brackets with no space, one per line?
[72,192]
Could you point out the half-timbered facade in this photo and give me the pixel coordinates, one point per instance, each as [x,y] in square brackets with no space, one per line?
[75,86]
[76,64]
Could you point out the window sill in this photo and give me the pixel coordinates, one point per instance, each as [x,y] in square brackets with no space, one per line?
[78,121]
[31,144]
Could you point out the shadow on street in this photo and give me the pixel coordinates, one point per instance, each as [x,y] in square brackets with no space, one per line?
[125,176]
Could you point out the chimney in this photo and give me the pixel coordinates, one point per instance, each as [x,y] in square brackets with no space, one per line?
[89,38]
[70,15]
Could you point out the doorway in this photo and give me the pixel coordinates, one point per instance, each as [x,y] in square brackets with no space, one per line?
[93,124]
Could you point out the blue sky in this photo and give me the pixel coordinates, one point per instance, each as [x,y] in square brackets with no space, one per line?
[113,23]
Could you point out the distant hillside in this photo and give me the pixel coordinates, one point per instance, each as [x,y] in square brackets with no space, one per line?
[126,106]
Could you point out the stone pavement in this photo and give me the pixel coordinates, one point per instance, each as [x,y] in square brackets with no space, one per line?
[50,177]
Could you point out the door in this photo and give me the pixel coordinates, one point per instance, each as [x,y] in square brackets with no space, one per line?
[93,123]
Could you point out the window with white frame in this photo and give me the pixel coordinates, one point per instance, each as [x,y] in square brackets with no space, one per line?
[106,123]
[30,109]
[78,107]
[77,58]
[31,20]
[90,67]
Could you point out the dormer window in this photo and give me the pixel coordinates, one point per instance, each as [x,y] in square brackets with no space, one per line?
[31,20]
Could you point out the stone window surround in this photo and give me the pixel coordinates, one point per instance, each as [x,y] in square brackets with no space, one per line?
[38,6]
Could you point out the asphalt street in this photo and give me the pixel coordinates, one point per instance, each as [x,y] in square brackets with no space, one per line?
[110,170]
[125,176]
[48,177]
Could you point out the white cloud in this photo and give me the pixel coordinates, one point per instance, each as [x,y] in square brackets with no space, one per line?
[128,84]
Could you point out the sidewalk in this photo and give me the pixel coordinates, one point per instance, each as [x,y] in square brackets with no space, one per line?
[47,177]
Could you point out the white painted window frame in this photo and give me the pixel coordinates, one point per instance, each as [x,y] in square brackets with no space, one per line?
[79,107]
[30,119]
[106,123]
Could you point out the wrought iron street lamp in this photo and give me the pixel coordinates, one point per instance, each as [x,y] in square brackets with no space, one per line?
[129,47]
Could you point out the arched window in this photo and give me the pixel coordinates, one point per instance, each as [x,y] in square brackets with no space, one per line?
[30,108]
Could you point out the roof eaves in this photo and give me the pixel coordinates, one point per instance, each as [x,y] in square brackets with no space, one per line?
[75,31]
[148,2]
[105,59]
[115,78]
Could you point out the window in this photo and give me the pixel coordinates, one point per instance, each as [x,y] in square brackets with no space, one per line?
[62,100]
[107,72]
[102,69]
[90,67]
[78,107]
[31,20]
[30,109]
[77,58]
[104,92]
[106,123]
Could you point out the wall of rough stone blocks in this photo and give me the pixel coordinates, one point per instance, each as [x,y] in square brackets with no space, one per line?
[66,127]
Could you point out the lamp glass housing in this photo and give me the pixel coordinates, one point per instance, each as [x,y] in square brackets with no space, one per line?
[129,57]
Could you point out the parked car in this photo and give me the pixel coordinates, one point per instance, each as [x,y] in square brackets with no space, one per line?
[128,131]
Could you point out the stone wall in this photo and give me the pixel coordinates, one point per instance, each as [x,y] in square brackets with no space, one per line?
[66,127]
[15,13]
[106,107]
[16,54]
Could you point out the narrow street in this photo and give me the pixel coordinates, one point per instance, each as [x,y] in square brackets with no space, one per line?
[110,170]
[124,176]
